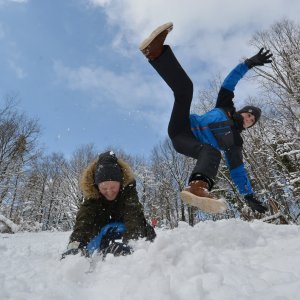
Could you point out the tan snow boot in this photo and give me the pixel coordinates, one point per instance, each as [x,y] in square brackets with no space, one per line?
[198,195]
[200,189]
[152,46]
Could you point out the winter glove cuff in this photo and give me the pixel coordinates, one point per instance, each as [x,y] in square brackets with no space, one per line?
[73,245]
[72,248]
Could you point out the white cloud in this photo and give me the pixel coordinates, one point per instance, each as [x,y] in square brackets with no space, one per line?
[12,1]
[20,73]
[205,30]
[130,92]
[99,2]
[209,38]
[211,34]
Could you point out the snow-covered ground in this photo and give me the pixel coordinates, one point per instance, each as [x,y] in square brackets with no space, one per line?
[214,260]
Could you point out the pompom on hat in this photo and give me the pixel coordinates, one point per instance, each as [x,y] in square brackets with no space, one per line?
[108,168]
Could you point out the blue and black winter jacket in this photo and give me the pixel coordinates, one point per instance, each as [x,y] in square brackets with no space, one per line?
[219,129]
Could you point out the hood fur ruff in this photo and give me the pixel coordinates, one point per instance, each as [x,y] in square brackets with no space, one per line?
[87,183]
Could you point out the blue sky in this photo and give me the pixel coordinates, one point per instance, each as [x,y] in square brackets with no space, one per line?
[75,64]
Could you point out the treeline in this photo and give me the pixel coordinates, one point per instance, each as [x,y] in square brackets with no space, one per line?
[39,191]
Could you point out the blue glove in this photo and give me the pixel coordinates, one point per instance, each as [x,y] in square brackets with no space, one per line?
[108,233]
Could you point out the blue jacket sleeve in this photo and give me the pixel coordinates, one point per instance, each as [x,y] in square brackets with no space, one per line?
[235,76]
[241,180]
[238,173]
[226,94]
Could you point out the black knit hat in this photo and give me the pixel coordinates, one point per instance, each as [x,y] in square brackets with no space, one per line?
[108,168]
[255,111]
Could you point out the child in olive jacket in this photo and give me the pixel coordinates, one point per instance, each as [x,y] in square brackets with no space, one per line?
[111,209]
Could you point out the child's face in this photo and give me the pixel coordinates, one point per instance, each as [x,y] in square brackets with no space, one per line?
[248,119]
[109,189]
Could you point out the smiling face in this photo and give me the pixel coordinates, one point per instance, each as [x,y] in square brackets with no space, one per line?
[109,189]
[248,119]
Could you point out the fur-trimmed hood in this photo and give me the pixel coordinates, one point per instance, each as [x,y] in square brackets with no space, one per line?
[87,184]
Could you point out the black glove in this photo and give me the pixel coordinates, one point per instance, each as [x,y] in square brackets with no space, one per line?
[117,249]
[150,233]
[73,248]
[259,59]
[254,204]
[111,235]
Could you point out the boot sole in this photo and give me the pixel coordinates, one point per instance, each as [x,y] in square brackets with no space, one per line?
[215,206]
[154,34]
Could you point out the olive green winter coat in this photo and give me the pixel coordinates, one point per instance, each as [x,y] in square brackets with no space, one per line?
[96,211]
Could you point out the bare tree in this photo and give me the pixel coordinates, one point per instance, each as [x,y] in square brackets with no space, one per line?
[73,171]
[18,147]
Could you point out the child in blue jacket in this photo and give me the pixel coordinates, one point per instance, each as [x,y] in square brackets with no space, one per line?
[203,137]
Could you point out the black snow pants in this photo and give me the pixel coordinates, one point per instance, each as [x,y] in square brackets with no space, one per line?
[179,129]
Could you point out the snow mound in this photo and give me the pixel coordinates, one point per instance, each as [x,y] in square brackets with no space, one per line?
[228,259]
[7,226]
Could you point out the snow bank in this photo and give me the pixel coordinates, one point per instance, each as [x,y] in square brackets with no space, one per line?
[6,224]
[228,259]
